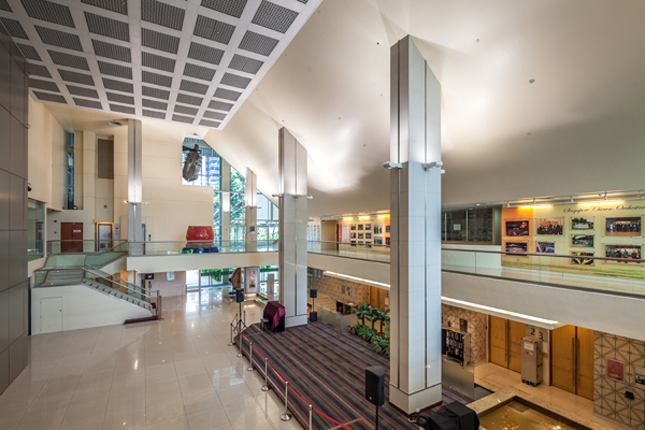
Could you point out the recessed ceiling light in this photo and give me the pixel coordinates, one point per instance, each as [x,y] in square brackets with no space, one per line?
[115,123]
[477,40]
[529,133]
[531,81]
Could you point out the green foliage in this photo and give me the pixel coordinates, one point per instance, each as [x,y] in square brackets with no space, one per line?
[351,327]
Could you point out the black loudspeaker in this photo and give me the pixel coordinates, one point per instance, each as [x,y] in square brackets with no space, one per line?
[313,294]
[375,385]
[239,295]
[313,316]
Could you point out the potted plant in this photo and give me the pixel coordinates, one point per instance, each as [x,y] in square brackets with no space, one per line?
[385,319]
[373,315]
[376,340]
[351,328]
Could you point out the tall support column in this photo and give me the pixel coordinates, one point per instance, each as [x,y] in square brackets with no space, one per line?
[292,166]
[135,185]
[415,204]
[251,210]
[226,200]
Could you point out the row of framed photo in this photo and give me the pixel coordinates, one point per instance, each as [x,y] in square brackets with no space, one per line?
[377,241]
[625,252]
[615,226]
[378,229]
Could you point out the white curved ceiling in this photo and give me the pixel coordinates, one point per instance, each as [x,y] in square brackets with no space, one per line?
[331,89]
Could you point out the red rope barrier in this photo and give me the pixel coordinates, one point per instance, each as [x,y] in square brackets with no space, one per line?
[294,392]
[331,419]
[278,375]
[256,350]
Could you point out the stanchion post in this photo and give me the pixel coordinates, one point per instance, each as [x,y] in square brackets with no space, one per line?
[286,416]
[311,416]
[250,368]
[239,354]
[265,387]
[231,332]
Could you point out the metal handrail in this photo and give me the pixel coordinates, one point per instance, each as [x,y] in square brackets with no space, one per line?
[127,285]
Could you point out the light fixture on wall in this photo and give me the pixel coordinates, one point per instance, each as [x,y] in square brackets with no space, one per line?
[115,123]
[389,165]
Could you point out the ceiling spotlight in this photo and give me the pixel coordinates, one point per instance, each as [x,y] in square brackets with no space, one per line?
[529,133]
[606,197]
[572,199]
[531,81]
[508,204]
[115,123]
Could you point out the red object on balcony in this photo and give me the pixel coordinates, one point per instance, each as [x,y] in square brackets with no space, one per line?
[199,235]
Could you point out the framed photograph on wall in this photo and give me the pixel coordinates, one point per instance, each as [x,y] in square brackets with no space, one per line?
[545,247]
[517,228]
[378,241]
[639,377]
[170,276]
[623,226]
[387,228]
[360,227]
[616,370]
[582,223]
[353,243]
[582,240]
[378,229]
[353,227]
[352,235]
[368,226]
[624,252]
[360,235]
[582,258]
[549,226]
[368,235]
[517,247]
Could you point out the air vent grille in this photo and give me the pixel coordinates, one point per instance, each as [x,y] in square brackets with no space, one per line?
[88,103]
[191,100]
[38,70]
[77,78]
[199,72]
[118,6]
[217,105]
[160,41]
[223,93]
[228,7]
[5,6]
[185,109]
[49,11]
[59,38]
[214,30]
[44,85]
[162,14]
[154,114]
[208,123]
[193,87]
[214,115]
[107,27]
[29,52]
[108,50]
[120,98]
[158,62]
[155,92]
[105,156]
[245,64]
[156,79]
[68,60]
[14,28]
[154,104]
[84,92]
[181,118]
[111,84]
[46,97]
[115,70]
[257,43]
[119,108]
[274,17]
[235,80]
[205,53]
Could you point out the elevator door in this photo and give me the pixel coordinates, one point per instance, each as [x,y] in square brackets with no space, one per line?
[516,332]
[563,344]
[498,335]
[584,365]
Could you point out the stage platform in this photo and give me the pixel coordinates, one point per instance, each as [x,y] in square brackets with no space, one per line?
[327,369]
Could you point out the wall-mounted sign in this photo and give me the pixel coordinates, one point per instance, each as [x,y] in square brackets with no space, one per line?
[456,227]
[150,275]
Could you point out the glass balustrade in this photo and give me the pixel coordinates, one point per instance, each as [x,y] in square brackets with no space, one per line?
[187,248]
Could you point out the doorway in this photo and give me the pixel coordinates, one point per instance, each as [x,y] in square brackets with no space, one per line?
[505,343]
[572,363]
[51,315]
[104,235]
[71,235]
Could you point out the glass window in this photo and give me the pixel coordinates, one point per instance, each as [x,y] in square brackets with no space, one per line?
[268,218]
[209,172]
[238,210]
[467,225]
[35,229]
[69,169]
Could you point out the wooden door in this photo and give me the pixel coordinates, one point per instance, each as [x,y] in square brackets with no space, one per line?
[71,236]
[563,360]
[584,363]
[498,336]
[515,334]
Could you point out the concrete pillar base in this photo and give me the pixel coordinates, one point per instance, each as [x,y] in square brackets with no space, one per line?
[409,403]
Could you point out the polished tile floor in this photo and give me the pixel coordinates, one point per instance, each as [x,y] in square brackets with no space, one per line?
[174,375]
[502,377]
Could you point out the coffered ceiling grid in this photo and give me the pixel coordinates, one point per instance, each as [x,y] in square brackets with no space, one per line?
[193,62]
